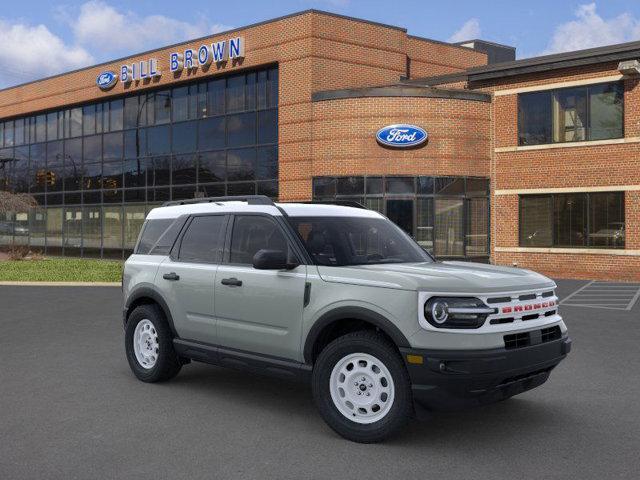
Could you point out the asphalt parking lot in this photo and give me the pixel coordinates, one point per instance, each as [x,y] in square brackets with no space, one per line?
[70,408]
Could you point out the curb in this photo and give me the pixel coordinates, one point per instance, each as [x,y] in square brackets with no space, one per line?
[60,284]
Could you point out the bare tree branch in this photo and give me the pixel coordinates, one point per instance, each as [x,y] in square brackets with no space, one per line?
[16,202]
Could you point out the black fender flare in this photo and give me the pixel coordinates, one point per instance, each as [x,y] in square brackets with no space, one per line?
[355,313]
[148,292]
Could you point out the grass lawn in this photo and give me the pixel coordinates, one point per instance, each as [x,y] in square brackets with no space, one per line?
[61,270]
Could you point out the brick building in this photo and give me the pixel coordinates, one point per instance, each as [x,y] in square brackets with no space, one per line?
[513,170]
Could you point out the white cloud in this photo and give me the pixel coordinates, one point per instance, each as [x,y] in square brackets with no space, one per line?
[591,30]
[104,29]
[98,33]
[469,31]
[28,52]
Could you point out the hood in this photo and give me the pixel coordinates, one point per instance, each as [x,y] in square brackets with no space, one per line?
[445,277]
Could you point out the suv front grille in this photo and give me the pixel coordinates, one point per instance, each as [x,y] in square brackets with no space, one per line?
[517,340]
[551,333]
[525,339]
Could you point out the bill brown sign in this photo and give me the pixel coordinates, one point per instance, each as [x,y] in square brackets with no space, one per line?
[189,59]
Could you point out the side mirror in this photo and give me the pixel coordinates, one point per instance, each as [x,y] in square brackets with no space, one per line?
[272,260]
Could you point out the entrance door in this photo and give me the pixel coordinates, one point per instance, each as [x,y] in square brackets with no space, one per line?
[400,212]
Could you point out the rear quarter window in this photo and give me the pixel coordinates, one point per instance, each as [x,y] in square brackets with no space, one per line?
[158,236]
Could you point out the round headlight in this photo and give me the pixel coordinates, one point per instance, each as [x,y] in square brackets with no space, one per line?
[440,311]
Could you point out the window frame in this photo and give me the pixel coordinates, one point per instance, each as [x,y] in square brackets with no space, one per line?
[174,253]
[552,93]
[587,228]
[293,241]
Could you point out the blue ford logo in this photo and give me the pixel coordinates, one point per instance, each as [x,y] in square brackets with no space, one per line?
[106,80]
[401,136]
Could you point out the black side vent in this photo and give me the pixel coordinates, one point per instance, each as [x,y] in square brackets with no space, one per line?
[528,296]
[547,294]
[532,316]
[497,321]
[550,334]
[549,313]
[499,300]
[517,340]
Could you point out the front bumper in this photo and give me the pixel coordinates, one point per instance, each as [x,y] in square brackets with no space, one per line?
[454,379]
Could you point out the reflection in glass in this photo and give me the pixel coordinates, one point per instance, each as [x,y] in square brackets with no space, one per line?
[211,133]
[241,129]
[134,216]
[72,230]
[424,224]
[54,230]
[92,230]
[241,164]
[112,231]
[477,227]
[449,227]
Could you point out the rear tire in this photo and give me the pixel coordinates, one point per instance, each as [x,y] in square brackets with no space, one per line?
[149,345]
[361,387]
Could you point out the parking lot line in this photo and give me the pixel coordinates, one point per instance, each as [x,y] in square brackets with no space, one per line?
[612,296]
[576,292]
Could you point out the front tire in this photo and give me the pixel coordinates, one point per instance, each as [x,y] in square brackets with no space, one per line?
[149,345]
[361,387]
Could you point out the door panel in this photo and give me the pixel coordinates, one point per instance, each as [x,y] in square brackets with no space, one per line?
[190,298]
[259,310]
[264,314]
[187,279]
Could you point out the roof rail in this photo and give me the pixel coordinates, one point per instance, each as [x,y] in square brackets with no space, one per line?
[342,203]
[250,199]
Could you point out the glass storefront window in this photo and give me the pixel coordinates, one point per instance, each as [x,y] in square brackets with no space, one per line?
[593,220]
[37,227]
[112,232]
[477,232]
[448,216]
[400,185]
[87,163]
[449,227]
[72,230]
[54,230]
[92,231]
[575,114]
[424,223]
[133,219]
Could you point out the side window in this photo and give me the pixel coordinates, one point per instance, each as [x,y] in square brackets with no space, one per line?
[252,233]
[202,242]
[168,238]
[151,232]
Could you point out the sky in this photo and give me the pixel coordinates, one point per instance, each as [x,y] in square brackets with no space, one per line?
[39,38]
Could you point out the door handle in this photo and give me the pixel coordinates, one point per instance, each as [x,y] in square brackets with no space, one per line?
[232,282]
[171,276]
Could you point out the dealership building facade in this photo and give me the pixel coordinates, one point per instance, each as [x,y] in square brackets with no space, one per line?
[531,162]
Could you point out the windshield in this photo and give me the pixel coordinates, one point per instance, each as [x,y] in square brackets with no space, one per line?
[343,241]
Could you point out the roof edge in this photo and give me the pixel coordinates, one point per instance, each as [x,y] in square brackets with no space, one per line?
[556,61]
[400,90]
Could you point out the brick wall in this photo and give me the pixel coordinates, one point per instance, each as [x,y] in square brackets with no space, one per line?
[344,137]
[430,58]
[581,167]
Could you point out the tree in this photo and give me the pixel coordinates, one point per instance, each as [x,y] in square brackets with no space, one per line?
[16,202]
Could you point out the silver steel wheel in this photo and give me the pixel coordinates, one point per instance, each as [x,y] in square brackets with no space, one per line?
[145,344]
[362,388]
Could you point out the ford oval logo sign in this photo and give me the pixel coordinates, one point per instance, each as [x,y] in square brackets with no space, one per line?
[106,80]
[401,136]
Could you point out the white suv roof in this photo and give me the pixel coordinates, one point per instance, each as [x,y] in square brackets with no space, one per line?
[234,206]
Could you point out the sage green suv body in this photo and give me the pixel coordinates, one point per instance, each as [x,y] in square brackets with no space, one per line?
[327,293]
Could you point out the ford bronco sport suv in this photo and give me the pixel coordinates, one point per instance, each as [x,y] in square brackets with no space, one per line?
[338,296]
